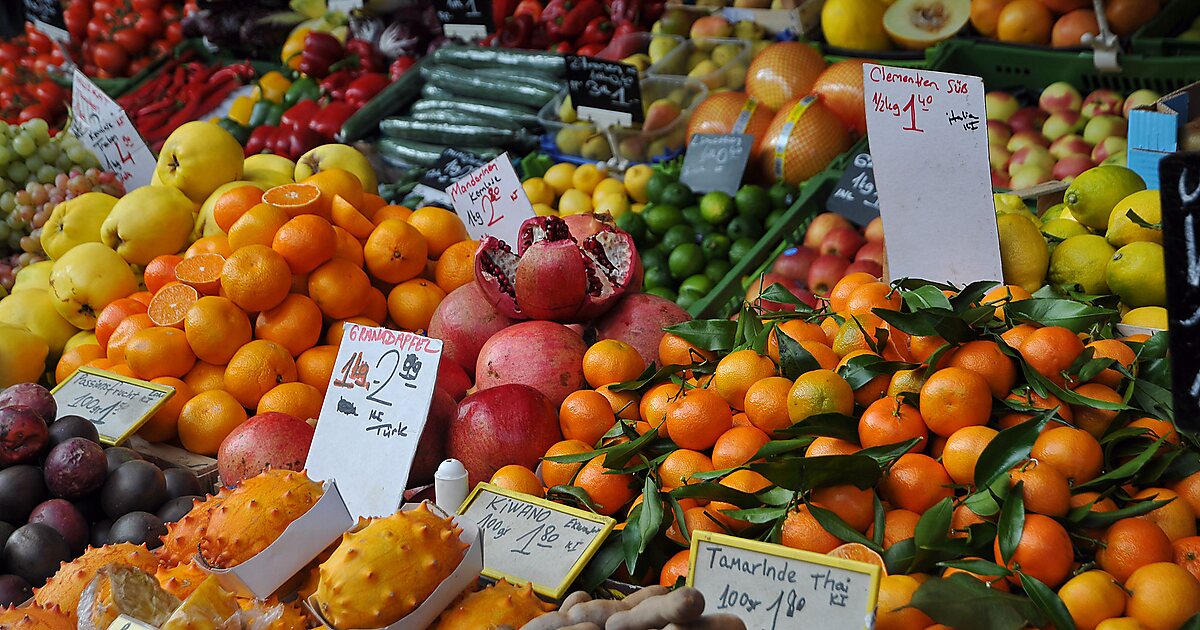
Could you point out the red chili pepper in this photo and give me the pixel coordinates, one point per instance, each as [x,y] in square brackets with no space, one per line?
[365,87]
[599,30]
[218,95]
[516,32]
[590,50]
[577,19]
[532,8]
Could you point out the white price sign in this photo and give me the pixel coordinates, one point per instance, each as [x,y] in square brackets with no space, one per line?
[772,587]
[928,134]
[373,415]
[345,6]
[491,201]
[116,404]
[104,127]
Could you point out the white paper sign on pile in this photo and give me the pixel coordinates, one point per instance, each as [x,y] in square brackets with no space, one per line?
[104,127]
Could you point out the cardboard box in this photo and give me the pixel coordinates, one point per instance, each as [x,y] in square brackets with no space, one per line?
[302,541]
[463,577]
[1154,130]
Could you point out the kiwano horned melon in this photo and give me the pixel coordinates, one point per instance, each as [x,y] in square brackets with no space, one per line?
[34,618]
[119,590]
[503,604]
[363,585]
[63,590]
[184,536]
[255,514]
[209,607]
[182,579]
[273,615]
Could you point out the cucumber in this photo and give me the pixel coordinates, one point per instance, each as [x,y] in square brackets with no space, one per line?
[459,117]
[451,134]
[466,83]
[521,115]
[544,81]
[522,60]
[423,154]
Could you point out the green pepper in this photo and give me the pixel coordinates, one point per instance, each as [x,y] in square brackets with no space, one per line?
[302,89]
[235,129]
[259,113]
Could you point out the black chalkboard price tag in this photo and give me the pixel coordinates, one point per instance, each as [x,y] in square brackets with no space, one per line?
[856,197]
[47,16]
[605,92]
[466,19]
[1179,180]
[451,167]
[716,161]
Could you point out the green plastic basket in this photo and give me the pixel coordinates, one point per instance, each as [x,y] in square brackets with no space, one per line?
[1160,35]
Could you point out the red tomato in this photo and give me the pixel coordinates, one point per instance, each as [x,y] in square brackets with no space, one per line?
[40,42]
[147,5]
[110,57]
[103,7]
[37,110]
[150,24]
[95,28]
[10,53]
[41,65]
[170,13]
[174,33]
[137,65]
[131,40]
[49,92]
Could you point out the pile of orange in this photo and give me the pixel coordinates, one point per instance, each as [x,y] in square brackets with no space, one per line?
[249,321]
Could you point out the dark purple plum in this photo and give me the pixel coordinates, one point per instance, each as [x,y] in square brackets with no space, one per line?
[75,468]
[137,486]
[100,530]
[68,427]
[33,396]
[182,482]
[23,435]
[34,552]
[177,508]
[66,519]
[6,530]
[118,455]
[14,590]
[139,528]
[21,489]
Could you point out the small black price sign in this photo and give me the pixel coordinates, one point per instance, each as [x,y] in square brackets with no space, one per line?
[466,19]
[451,167]
[47,15]
[1179,181]
[716,161]
[605,92]
[856,197]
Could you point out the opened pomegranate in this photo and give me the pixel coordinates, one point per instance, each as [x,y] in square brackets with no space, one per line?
[554,277]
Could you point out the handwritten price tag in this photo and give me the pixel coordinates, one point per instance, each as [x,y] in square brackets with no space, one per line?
[771,587]
[345,6]
[116,404]
[527,539]
[465,19]
[104,127]
[374,412]
[856,197]
[1179,176]
[604,92]
[716,161]
[928,138]
[47,17]
[491,202]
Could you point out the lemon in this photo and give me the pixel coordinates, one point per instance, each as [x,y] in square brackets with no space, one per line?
[1138,274]
[1078,264]
[1023,253]
[586,178]
[636,178]
[1061,229]
[607,186]
[855,24]
[1005,203]
[1146,317]
[1094,194]
[559,176]
[1122,231]
[539,191]
[1058,211]
[574,201]
[543,210]
[616,204]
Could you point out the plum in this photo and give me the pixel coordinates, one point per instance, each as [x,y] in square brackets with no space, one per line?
[99,536]
[14,590]
[21,489]
[6,530]
[182,482]
[136,486]
[68,427]
[33,396]
[118,455]
[34,552]
[66,519]
[177,508]
[139,528]
[75,468]
[23,434]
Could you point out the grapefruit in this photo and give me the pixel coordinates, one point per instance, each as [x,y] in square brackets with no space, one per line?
[782,72]
[841,89]
[720,113]
[803,139]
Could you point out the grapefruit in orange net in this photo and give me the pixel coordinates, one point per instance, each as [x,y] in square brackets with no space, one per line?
[718,114]
[170,305]
[796,152]
[297,199]
[159,271]
[841,87]
[783,72]
[233,204]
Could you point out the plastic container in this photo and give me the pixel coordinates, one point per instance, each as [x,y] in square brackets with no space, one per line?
[728,60]
[1160,36]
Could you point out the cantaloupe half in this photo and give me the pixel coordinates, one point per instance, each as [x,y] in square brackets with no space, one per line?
[919,24]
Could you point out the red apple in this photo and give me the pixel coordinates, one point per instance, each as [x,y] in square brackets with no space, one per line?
[1000,106]
[843,242]
[1060,97]
[874,231]
[1071,144]
[826,270]
[1103,102]
[821,225]
[1105,127]
[998,157]
[1062,124]
[1108,147]
[1139,98]
[873,251]
[1023,139]
[1027,119]
[998,132]
[999,179]
[868,266]
[794,262]
[1031,155]
[1068,168]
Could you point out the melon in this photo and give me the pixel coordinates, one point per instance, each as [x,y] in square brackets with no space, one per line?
[919,24]
[719,114]
[803,139]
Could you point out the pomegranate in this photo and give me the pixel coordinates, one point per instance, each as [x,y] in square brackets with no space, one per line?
[554,277]
[508,424]
[273,439]
[453,379]
[638,320]
[586,224]
[23,435]
[431,448]
[464,321]
[544,355]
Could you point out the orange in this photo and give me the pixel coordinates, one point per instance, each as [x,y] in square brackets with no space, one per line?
[1044,551]
[675,350]
[218,244]
[347,217]
[112,315]
[1004,294]
[1111,349]
[1175,518]
[256,278]
[1024,22]
[518,479]
[305,242]
[339,182]
[796,329]
[456,266]
[739,370]
[339,288]
[872,295]
[75,358]
[839,295]
[315,365]
[586,416]
[987,360]
[859,553]
[124,331]
[170,305]
[257,227]
[206,420]
[992,581]
[858,332]
[216,328]
[766,403]
[391,212]
[892,610]
[371,204]
[678,467]
[906,381]
[257,368]
[348,248]
[1073,452]
[737,446]
[961,521]
[922,348]
[205,377]
[395,252]
[142,296]
[1029,399]
[697,418]
[202,272]
[233,204]
[852,504]
[819,392]
[1188,490]
[1051,350]
[295,324]
[1017,335]
[157,351]
[1157,428]
[898,525]
[915,482]
[333,336]
[695,519]
[889,421]
[611,361]
[1130,544]
[675,569]
[830,446]
[1120,623]
[559,474]
[297,199]
[741,420]
[1092,597]
[953,398]
[873,389]
[1089,418]
[609,492]
[1187,554]
[801,530]
[652,408]
[746,481]
[1162,596]
[376,308]
[440,227]
[159,271]
[1046,491]
[625,405]
[411,303]
[163,426]
[962,450]
[825,356]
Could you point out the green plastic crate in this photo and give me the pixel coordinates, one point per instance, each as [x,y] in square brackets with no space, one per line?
[1160,35]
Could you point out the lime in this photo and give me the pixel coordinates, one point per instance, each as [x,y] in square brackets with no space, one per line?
[783,195]
[1093,195]
[686,260]
[663,292]
[678,235]
[692,215]
[717,269]
[716,246]
[654,257]
[716,207]
[753,201]
[679,195]
[657,277]
[1078,264]
[635,224]
[1123,230]
[1145,316]
[655,186]
[699,283]
[1138,274]
[744,227]
[740,248]
[660,218]
[773,218]
[687,298]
